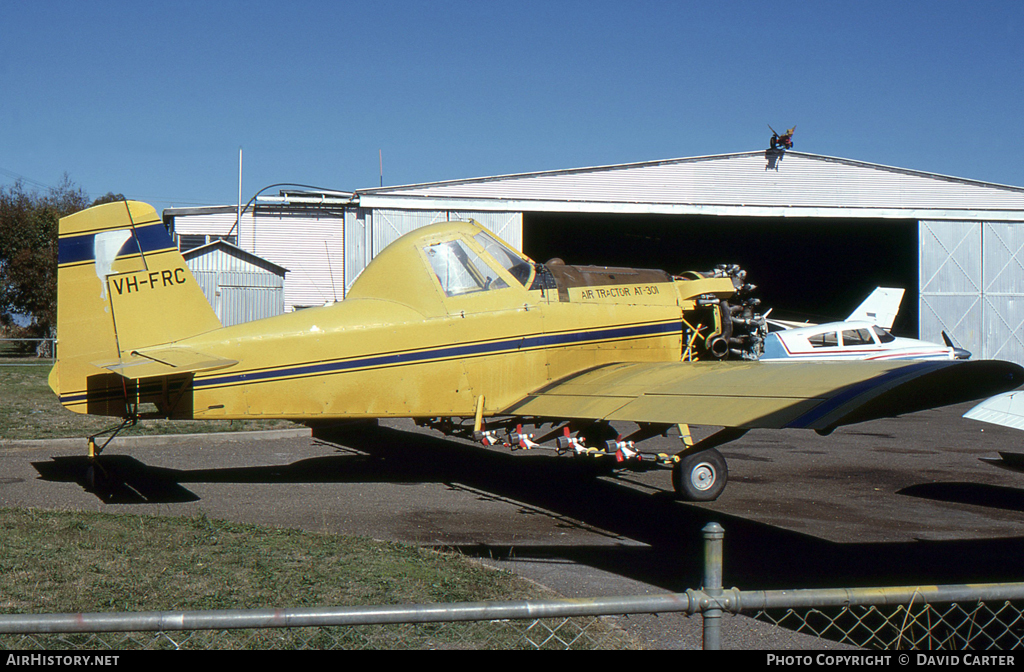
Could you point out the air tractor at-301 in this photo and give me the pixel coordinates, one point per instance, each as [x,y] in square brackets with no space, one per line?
[452,327]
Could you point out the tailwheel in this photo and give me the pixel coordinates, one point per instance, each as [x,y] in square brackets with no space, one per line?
[97,479]
[700,476]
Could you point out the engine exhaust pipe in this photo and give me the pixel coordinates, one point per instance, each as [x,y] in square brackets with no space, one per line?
[719,347]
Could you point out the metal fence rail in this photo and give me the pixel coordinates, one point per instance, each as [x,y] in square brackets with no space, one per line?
[951,617]
[225,619]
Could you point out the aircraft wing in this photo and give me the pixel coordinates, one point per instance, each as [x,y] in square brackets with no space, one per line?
[164,361]
[813,395]
[1003,409]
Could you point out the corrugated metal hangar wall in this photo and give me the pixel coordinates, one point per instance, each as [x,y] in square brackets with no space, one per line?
[816,234]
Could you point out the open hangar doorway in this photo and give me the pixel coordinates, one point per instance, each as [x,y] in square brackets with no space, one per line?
[814,269]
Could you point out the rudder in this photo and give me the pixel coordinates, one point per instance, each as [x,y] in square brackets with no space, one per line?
[121,285]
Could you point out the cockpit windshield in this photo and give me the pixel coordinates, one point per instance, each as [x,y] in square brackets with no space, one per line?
[460,270]
[883,335]
[513,263]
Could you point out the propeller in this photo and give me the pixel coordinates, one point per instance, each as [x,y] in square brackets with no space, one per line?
[958,353]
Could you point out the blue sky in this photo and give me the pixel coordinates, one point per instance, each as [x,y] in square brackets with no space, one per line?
[153,100]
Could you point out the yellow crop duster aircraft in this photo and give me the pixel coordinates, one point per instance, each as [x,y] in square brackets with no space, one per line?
[450,326]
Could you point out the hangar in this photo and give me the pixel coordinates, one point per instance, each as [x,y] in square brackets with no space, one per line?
[815,233]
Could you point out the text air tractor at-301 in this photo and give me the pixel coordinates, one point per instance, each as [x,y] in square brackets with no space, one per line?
[450,326]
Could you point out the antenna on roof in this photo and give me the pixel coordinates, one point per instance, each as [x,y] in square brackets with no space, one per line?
[380,155]
[239,219]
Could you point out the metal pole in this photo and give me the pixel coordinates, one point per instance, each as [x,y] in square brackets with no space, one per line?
[239,216]
[238,220]
[713,535]
[342,616]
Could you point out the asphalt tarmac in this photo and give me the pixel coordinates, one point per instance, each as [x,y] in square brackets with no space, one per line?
[906,501]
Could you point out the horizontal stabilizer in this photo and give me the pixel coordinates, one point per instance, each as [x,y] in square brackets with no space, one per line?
[166,361]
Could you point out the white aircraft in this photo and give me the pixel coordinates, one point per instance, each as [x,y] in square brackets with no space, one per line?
[880,308]
[1005,409]
[862,335]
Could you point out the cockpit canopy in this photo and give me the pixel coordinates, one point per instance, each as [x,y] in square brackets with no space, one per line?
[461,269]
[428,267]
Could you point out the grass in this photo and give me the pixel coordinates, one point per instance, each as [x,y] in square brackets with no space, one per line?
[30,410]
[60,562]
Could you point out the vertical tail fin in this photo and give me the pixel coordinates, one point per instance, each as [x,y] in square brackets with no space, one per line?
[881,307]
[121,285]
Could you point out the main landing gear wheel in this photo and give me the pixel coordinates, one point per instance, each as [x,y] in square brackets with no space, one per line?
[700,476]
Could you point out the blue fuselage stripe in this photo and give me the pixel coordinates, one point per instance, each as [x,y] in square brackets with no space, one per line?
[448,352]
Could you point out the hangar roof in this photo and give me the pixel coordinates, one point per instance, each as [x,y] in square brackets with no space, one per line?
[761,183]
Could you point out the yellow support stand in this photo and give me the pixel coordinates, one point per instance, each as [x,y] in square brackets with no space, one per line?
[478,419]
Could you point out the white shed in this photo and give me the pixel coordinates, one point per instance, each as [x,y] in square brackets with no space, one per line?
[240,286]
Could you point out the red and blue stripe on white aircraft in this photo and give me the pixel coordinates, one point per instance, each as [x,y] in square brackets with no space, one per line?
[863,335]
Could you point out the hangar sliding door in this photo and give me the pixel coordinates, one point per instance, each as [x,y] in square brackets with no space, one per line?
[1003,290]
[972,286]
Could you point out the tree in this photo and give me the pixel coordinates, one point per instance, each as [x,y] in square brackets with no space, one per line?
[109,197]
[28,253]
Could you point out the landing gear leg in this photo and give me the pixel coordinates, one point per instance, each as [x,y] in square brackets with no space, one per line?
[701,473]
[95,475]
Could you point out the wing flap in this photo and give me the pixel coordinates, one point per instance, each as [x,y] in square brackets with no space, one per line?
[815,395]
[165,361]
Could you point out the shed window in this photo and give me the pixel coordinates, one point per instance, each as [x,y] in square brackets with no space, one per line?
[190,241]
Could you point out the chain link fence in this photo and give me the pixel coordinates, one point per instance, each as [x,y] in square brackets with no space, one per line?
[981,616]
[995,625]
[539,634]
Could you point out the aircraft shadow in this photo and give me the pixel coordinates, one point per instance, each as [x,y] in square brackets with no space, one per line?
[978,494]
[757,555]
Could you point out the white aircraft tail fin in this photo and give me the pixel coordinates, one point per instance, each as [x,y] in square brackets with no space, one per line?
[880,308]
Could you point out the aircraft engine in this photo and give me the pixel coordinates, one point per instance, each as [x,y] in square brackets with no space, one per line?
[742,329]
